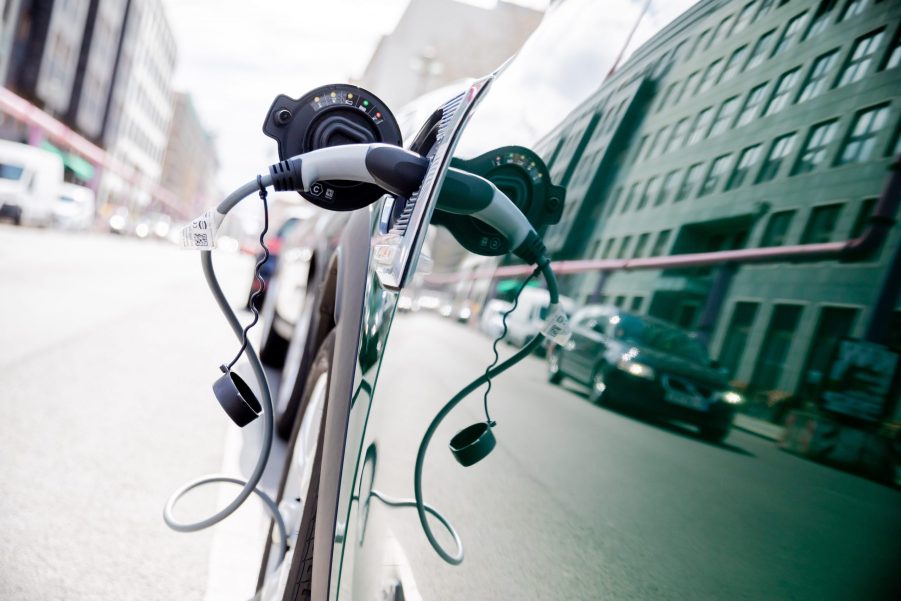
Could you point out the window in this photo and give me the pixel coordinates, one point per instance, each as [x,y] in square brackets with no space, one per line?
[862,137]
[715,174]
[792,30]
[814,150]
[860,58]
[781,92]
[666,95]
[752,104]
[661,244]
[641,146]
[744,18]
[819,72]
[619,301]
[689,182]
[614,198]
[678,138]
[710,76]
[746,161]
[776,228]
[640,246]
[821,224]
[667,189]
[608,248]
[760,49]
[702,39]
[702,123]
[736,339]
[636,303]
[722,30]
[659,141]
[775,347]
[894,57]
[623,247]
[833,324]
[852,8]
[781,148]
[689,85]
[820,19]
[724,116]
[733,66]
[651,190]
[863,217]
[765,7]
[631,195]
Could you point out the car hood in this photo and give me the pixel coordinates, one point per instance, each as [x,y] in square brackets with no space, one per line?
[679,366]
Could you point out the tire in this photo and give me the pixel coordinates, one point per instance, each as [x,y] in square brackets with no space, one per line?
[598,393]
[712,434]
[273,348]
[299,584]
[554,373]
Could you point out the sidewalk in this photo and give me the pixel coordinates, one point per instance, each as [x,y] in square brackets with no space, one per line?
[758,427]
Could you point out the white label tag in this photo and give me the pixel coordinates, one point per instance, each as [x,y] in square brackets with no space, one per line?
[556,328]
[200,234]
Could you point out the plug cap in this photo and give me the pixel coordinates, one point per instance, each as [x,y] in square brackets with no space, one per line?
[472,444]
[236,397]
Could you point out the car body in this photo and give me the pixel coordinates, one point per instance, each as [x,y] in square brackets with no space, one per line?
[643,363]
[74,208]
[531,314]
[30,183]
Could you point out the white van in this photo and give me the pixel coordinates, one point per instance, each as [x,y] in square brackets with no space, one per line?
[531,311]
[74,207]
[30,180]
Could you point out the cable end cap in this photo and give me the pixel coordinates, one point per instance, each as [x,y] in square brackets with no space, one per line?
[236,398]
[472,444]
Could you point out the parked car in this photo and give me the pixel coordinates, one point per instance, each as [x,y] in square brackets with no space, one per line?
[274,244]
[530,315]
[490,321]
[644,363]
[30,183]
[74,207]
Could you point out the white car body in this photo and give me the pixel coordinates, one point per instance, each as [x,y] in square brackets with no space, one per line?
[530,314]
[74,207]
[30,180]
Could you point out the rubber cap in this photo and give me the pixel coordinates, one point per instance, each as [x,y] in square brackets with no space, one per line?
[236,397]
[472,444]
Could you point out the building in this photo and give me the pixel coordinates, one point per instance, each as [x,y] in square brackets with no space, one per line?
[742,124]
[190,163]
[437,42]
[140,108]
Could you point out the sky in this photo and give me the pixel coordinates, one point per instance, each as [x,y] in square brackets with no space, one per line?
[235,57]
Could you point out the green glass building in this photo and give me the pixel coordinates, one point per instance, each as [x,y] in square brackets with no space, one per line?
[757,123]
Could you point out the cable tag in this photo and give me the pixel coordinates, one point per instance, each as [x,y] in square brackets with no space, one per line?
[200,234]
[556,327]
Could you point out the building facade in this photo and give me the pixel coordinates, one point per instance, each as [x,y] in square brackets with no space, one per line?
[742,124]
[190,163]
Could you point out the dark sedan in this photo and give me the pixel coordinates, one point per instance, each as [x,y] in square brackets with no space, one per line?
[644,363]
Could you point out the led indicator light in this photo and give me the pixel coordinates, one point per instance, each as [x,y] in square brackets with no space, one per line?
[349,95]
[365,103]
[333,94]
[378,115]
[316,99]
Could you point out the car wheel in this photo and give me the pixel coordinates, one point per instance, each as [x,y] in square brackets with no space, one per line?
[296,573]
[554,375]
[598,393]
[714,434]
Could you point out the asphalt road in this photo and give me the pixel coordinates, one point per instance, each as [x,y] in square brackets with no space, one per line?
[580,502]
[109,348]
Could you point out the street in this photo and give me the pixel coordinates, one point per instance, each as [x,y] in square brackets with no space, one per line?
[581,502]
[110,346]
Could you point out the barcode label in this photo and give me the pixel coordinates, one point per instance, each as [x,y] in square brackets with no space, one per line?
[200,234]
[556,328]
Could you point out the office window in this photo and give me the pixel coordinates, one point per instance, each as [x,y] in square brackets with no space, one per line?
[733,65]
[746,161]
[816,78]
[782,91]
[863,217]
[608,248]
[651,191]
[821,224]
[894,56]
[619,301]
[752,105]
[678,138]
[614,198]
[862,137]
[642,145]
[701,125]
[744,18]
[895,147]
[661,244]
[814,150]
[860,58]
[736,339]
[724,116]
[777,227]
[716,172]
[760,49]
[668,188]
[623,247]
[765,7]
[852,9]
[640,246]
[667,93]
[834,323]
[657,148]
[635,305]
[820,19]
[701,43]
[627,202]
[775,347]
[711,73]
[791,32]
[780,149]
[692,176]
[690,83]
[722,30]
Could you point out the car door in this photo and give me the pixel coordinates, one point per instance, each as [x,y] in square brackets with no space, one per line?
[579,353]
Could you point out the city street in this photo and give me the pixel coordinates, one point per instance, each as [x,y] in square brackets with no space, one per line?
[109,348]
